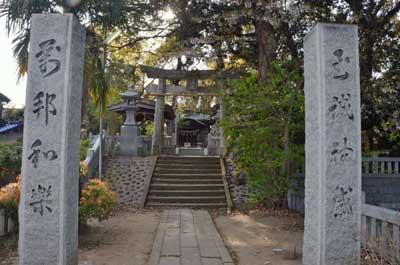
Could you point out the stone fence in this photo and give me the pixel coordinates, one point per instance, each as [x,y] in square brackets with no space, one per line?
[6,225]
[380,182]
[380,223]
[381,199]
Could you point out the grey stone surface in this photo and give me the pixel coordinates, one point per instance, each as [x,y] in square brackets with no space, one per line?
[237,185]
[128,177]
[190,256]
[130,133]
[333,146]
[381,191]
[48,211]
[158,134]
[129,140]
[192,241]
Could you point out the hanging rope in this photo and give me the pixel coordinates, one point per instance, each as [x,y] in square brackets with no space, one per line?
[188,132]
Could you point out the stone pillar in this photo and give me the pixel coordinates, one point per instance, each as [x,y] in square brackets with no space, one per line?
[48,212]
[221,84]
[175,131]
[333,146]
[221,130]
[158,134]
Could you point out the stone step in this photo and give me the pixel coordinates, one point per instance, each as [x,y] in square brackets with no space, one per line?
[188,193]
[186,186]
[186,166]
[186,199]
[193,163]
[182,158]
[192,170]
[191,151]
[187,205]
[188,176]
[186,181]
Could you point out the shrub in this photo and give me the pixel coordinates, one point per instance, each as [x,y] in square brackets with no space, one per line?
[83,170]
[84,146]
[9,200]
[10,162]
[264,128]
[97,201]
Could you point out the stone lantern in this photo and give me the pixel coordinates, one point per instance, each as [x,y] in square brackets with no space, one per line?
[130,132]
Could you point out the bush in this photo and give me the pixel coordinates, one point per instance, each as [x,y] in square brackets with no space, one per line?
[84,146]
[83,170]
[10,162]
[9,200]
[97,201]
[261,122]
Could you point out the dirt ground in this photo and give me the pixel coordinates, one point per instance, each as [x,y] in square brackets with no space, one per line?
[252,238]
[123,239]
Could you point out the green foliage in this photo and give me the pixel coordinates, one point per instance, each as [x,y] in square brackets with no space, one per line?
[10,162]
[13,114]
[255,121]
[147,129]
[97,201]
[83,147]
[83,170]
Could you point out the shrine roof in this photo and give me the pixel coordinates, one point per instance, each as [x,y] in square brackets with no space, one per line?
[143,105]
[3,98]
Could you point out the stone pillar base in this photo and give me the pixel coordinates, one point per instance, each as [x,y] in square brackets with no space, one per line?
[129,140]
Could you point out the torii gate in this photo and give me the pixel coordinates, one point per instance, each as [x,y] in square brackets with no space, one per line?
[192,89]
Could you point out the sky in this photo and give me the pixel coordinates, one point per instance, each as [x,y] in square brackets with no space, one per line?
[8,71]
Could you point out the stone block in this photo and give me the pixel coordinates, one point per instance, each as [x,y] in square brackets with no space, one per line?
[171,245]
[170,261]
[190,256]
[129,140]
[48,212]
[188,240]
[333,146]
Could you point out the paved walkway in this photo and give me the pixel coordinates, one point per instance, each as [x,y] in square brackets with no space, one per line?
[188,237]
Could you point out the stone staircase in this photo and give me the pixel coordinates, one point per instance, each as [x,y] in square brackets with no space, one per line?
[187,182]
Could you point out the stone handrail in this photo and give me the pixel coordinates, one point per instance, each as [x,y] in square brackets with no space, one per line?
[381,166]
[382,223]
[372,167]
[92,158]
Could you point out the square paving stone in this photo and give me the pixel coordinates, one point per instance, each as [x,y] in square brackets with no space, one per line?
[170,261]
[208,261]
[190,256]
[188,240]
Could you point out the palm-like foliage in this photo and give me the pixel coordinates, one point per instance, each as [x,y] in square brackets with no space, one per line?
[129,15]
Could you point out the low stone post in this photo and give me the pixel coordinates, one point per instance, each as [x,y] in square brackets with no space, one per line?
[332,233]
[48,212]
[158,134]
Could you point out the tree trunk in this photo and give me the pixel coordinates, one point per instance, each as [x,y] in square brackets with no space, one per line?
[266,48]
